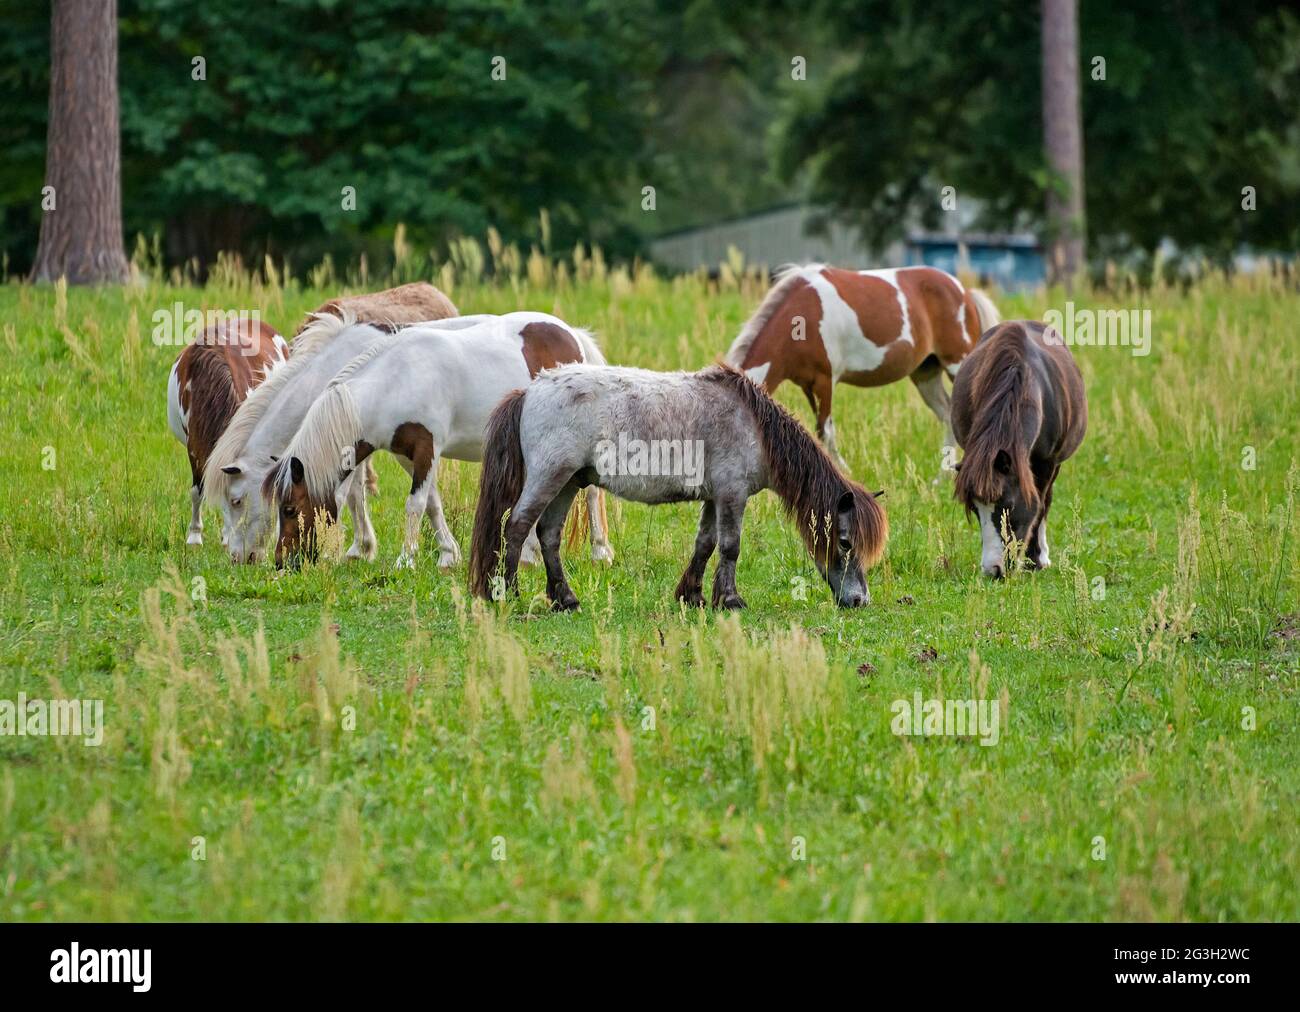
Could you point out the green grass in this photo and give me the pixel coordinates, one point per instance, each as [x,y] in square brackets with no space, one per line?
[379,771]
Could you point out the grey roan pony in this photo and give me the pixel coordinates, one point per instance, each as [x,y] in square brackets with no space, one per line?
[1018,411]
[711,436]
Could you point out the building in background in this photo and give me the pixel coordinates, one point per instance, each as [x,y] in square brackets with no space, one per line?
[1012,260]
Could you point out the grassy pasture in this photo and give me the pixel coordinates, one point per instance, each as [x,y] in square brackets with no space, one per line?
[355,741]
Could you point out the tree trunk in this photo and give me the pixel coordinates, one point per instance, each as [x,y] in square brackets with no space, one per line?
[1063,141]
[81,228]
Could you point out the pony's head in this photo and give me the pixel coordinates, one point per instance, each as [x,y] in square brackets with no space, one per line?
[995,478]
[844,543]
[245,517]
[842,525]
[299,513]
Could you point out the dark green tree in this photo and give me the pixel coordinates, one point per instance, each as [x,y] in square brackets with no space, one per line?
[1198,102]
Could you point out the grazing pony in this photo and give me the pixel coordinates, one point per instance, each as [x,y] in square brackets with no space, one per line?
[208,382]
[821,325]
[423,394]
[1019,411]
[267,420]
[653,437]
[390,309]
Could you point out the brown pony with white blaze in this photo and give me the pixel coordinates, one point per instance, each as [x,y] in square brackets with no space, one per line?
[1019,411]
[207,383]
[819,326]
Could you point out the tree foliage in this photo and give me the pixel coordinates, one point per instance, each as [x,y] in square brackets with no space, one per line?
[1199,100]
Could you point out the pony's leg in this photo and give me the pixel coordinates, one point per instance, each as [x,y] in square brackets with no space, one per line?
[1036,551]
[372,478]
[690,586]
[194,536]
[600,547]
[363,531]
[730,515]
[929,383]
[449,550]
[550,530]
[424,473]
[537,495]
[823,391]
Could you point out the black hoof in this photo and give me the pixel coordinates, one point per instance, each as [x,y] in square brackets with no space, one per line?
[730,602]
[565,602]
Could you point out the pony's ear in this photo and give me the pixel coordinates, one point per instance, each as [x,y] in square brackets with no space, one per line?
[1002,462]
[232,469]
[296,472]
[845,505]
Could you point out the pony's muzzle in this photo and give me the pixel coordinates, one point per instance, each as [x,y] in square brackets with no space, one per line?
[854,599]
[994,571]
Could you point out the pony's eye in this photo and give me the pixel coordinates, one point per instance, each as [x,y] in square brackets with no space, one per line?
[846,546]
[236,503]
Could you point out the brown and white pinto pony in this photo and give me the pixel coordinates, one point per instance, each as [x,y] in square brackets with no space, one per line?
[208,382]
[819,326]
[1018,410]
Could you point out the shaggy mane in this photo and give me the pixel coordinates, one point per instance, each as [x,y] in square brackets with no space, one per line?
[999,393]
[803,476]
[314,337]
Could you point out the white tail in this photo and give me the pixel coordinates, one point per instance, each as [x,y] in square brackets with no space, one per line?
[985,309]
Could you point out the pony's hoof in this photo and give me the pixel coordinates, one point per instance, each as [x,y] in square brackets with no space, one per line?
[194,538]
[448,560]
[731,602]
[566,602]
[405,561]
[602,553]
[692,599]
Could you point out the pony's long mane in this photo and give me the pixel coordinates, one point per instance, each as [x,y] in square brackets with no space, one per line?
[314,337]
[803,476]
[332,425]
[999,393]
[786,278]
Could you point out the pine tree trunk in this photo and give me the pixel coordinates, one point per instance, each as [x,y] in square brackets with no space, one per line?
[81,237]
[1063,141]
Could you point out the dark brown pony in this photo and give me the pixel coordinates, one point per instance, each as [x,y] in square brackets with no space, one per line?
[208,382]
[1018,411]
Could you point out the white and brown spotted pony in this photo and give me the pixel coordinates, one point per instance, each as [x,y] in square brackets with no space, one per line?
[819,326]
[267,420]
[422,394]
[207,383]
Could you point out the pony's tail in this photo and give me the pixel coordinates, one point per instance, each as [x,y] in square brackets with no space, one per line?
[984,309]
[500,486]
